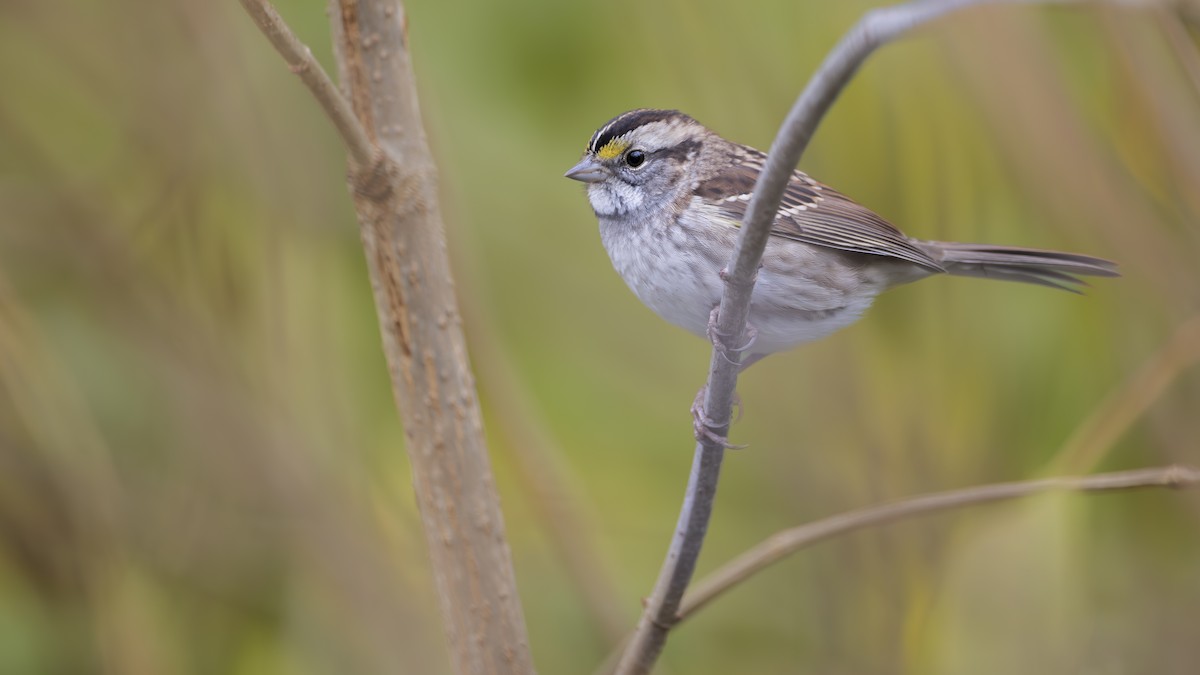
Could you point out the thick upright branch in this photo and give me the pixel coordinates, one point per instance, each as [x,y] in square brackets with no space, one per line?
[394,186]
[402,234]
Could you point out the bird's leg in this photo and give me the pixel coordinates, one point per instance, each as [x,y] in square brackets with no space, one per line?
[702,424]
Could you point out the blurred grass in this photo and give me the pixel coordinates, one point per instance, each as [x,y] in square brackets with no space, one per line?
[200,466]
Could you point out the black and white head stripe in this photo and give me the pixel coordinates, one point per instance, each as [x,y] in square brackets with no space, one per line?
[627,122]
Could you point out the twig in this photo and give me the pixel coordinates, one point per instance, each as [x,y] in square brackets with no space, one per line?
[300,61]
[876,28]
[784,543]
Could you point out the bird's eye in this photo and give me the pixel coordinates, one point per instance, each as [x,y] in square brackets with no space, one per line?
[635,158]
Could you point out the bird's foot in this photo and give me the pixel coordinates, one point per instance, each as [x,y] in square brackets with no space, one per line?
[715,337]
[703,426]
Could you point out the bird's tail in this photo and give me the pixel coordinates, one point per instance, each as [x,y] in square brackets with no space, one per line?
[1030,265]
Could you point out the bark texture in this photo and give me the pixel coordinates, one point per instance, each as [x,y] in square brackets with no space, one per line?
[395,197]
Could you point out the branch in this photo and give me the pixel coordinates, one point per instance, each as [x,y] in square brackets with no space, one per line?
[395,198]
[786,542]
[876,28]
[301,62]
[403,237]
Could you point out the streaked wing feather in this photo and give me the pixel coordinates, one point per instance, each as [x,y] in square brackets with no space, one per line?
[839,223]
[815,214]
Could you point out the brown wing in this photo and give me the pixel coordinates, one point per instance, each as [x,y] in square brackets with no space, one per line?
[813,213]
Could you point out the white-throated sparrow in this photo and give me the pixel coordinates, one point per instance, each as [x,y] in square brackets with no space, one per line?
[670,196]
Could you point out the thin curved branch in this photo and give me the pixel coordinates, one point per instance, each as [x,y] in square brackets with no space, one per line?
[876,28]
[786,542]
[301,62]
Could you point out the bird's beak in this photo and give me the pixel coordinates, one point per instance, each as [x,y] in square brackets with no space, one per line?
[587,170]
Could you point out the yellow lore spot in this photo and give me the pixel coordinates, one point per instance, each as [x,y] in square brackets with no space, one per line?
[612,149]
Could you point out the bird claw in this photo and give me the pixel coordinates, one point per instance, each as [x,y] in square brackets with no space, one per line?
[702,424]
[711,329]
[715,338]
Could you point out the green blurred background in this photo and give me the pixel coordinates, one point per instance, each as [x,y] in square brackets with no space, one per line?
[201,469]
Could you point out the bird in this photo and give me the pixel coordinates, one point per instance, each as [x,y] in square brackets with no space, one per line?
[670,195]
